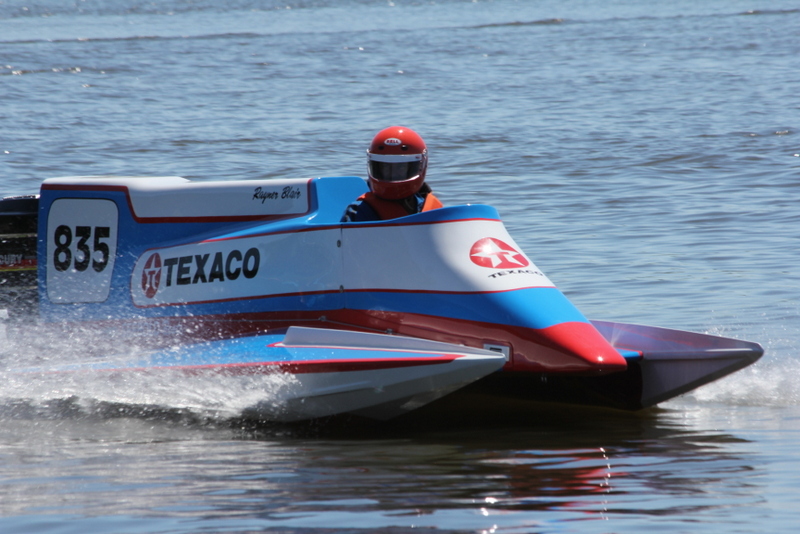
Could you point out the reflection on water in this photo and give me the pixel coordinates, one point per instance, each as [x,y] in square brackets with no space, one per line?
[644,155]
[576,464]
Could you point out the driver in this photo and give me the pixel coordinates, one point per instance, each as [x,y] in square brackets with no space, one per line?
[396,161]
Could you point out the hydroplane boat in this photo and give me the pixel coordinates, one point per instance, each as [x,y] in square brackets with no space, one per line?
[147,275]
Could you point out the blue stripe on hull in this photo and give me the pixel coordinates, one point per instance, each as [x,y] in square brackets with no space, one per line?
[261,350]
[532,308]
[537,308]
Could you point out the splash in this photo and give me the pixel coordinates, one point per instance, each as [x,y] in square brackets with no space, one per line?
[771,383]
[774,381]
[43,374]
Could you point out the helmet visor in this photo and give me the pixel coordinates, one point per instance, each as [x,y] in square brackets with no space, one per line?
[386,171]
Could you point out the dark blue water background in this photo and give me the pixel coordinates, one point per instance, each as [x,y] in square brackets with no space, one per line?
[645,155]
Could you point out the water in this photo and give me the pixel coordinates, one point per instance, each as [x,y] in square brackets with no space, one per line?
[644,155]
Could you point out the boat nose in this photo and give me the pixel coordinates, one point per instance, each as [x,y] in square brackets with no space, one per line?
[571,347]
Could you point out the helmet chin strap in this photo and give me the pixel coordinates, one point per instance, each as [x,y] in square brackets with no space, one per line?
[409,204]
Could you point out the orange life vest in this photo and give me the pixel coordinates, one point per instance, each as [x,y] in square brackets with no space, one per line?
[392,209]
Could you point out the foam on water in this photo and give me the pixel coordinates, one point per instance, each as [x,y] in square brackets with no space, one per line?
[215,395]
[25,377]
[773,381]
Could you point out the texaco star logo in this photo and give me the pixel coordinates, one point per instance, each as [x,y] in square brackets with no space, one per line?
[151,275]
[495,254]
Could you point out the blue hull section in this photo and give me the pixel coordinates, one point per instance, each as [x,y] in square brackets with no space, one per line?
[536,308]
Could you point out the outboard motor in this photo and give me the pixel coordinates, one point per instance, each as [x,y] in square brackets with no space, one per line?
[18,225]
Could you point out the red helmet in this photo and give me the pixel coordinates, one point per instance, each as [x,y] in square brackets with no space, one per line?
[396,161]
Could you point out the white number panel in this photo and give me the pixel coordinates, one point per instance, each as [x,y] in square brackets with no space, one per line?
[81,247]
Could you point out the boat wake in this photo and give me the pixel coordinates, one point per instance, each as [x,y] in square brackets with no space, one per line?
[24,392]
[214,397]
[774,381]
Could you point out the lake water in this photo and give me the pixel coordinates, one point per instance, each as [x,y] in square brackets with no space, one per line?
[645,155]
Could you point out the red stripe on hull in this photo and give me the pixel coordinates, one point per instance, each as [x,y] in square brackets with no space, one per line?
[583,342]
[563,348]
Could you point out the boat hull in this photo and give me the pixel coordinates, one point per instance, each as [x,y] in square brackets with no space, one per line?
[662,364]
[162,262]
[303,374]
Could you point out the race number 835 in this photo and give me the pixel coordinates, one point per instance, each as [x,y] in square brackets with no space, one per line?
[81,249]
[89,248]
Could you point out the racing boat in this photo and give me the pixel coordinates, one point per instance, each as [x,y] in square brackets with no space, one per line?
[262,276]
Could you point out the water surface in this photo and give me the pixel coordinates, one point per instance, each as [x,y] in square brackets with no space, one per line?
[645,156]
